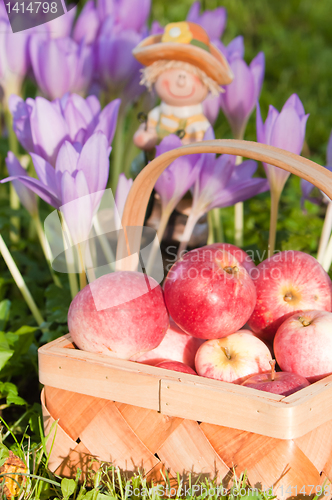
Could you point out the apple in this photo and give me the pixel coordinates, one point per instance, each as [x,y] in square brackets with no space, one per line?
[283,383]
[119,314]
[287,282]
[209,294]
[175,346]
[233,358]
[176,366]
[303,344]
[244,259]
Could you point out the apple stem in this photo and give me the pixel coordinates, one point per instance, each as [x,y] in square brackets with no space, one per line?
[304,321]
[273,369]
[288,297]
[231,270]
[227,353]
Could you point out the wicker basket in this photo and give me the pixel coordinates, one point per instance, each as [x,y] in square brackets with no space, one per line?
[140,417]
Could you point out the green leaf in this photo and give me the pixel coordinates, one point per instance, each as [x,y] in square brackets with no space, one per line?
[4,313]
[5,355]
[26,329]
[68,487]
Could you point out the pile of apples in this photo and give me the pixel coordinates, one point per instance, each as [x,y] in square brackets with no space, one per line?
[218,316]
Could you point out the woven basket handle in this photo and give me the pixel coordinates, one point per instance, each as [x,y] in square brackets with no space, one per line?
[138,197]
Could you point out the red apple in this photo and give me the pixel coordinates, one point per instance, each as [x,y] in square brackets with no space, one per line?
[209,294]
[175,346]
[289,281]
[303,344]
[283,383]
[244,259]
[233,358]
[176,366]
[119,314]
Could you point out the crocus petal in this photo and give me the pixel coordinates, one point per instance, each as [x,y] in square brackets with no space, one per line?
[44,170]
[48,129]
[21,121]
[37,187]
[213,21]
[239,98]
[179,177]
[85,65]
[257,68]
[94,162]
[121,194]
[87,24]
[243,171]
[287,133]
[75,120]
[241,192]
[260,131]
[235,49]
[214,176]
[329,152]
[27,198]
[193,13]
[211,108]
[156,28]
[107,120]
[294,102]
[269,124]
[133,15]
[77,206]
[61,26]
[66,161]
[170,142]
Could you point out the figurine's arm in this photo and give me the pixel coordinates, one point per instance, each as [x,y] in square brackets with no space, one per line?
[146,136]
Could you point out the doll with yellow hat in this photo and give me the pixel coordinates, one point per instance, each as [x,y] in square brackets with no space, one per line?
[183,66]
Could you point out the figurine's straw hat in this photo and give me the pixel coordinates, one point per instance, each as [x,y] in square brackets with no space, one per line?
[187,42]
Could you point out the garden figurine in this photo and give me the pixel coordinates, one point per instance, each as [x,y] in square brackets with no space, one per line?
[183,66]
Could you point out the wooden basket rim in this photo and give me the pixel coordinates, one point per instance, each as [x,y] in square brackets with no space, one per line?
[299,413]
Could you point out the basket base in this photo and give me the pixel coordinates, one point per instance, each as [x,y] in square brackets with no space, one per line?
[93,430]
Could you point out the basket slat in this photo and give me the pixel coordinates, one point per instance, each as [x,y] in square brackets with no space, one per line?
[187,450]
[82,409]
[109,436]
[152,428]
[62,445]
[317,445]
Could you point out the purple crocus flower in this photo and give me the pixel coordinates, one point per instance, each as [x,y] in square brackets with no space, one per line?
[42,126]
[129,14]
[285,130]
[211,108]
[179,177]
[213,21]
[14,59]
[87,24]
[73,179]
[240,96]
[60,26]
[116,66]
[26,196]
[220,184]
[61,65]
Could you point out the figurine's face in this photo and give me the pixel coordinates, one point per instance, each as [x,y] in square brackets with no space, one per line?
[178,87]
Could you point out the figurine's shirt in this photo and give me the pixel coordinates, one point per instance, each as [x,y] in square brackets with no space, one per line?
[168,119]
